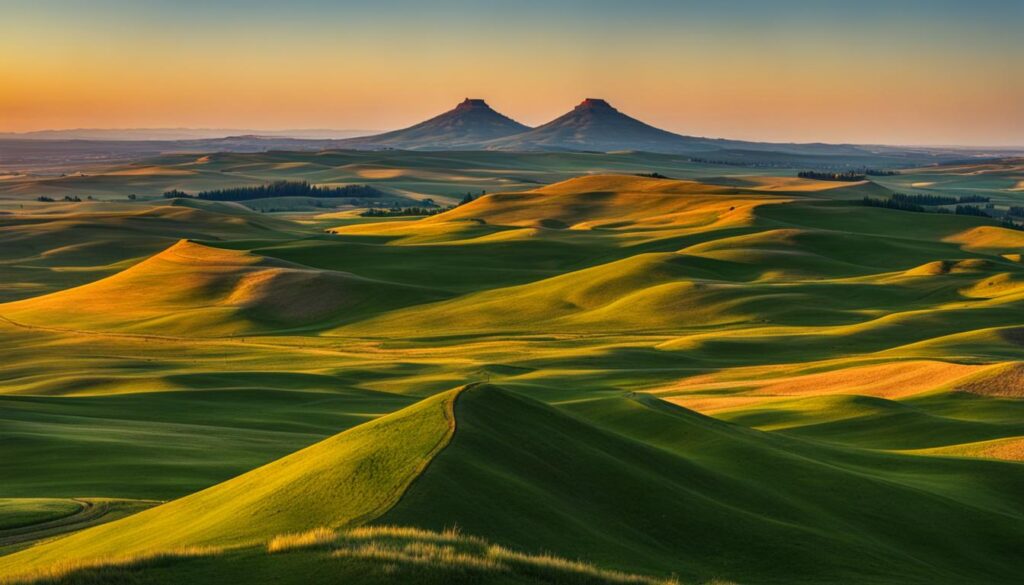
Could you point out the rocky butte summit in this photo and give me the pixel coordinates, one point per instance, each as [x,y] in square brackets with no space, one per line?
[595,125]
[467,125]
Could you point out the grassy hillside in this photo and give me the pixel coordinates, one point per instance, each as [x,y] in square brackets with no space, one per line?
[57,246]
[340,482]
[734,374]
[667,490]
[189,287]
[707,500]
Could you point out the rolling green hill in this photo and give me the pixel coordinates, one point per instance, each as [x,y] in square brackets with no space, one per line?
[189,286]
[732,376]
[666,490]
[341,482]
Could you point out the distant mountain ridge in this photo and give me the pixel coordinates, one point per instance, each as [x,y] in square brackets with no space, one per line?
[594,125]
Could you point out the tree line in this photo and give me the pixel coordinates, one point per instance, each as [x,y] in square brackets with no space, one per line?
[430,208]
[910,204]
[850,176]
[279,189]
[404,211]
[939,199]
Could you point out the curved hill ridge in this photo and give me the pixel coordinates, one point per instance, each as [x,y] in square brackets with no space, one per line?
[340,482]
[636,482]
[615,202]
[228,292]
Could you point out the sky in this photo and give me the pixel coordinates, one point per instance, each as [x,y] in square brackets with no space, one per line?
[872,71]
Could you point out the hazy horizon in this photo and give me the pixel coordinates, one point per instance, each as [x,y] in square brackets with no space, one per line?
[355,133]
[930,73]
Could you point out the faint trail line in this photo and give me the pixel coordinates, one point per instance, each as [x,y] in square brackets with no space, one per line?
[88,512]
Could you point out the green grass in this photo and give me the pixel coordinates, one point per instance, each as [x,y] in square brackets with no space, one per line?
[658,486]
[340,482]
[16,513]
[187,380]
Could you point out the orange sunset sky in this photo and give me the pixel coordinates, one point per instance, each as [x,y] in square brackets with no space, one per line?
[931,72]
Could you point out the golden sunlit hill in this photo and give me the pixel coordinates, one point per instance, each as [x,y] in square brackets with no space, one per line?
[190,286]
[58,246]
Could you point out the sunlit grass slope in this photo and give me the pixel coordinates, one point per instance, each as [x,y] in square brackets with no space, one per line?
[59,246]
[699,256]
[189,288]
[341,482]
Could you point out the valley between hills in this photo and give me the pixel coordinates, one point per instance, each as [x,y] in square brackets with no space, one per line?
[600,367]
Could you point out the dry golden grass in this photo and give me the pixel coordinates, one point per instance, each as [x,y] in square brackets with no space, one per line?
[1011,449]
[948,267]
[1004,380]
[318,537]
[445,549]
[614,202]
[983,238]
[421,554]
[451,548]
[450,534]
[887,380]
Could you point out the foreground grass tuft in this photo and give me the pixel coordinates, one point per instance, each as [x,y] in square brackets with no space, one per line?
[368,553]
[449,549]
[318,537]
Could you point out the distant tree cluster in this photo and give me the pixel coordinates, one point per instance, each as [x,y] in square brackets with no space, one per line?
[918,202]
[971,210]
[973,199]
[404,211]
[69,198]
[939,199]
[281,189]
[849,176]
[880,173]
[469,198]
[1015,211]
[735,163]
[892,203]
[1013,225]
[652,175]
